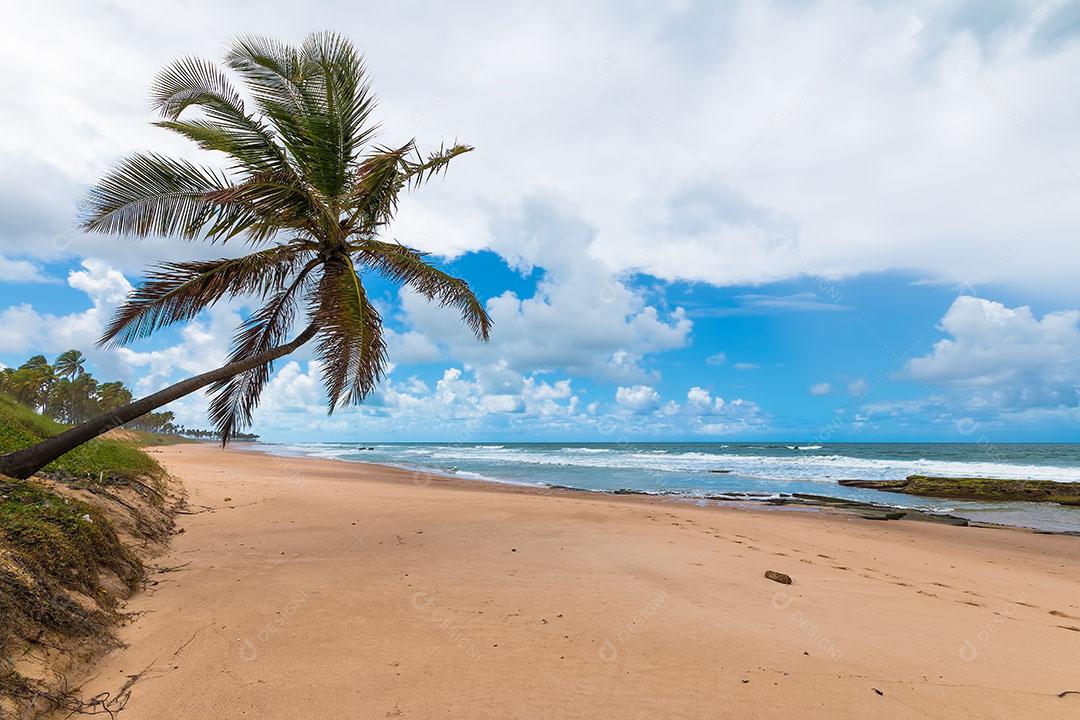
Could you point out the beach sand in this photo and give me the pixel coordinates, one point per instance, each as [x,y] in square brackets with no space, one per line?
[324,589]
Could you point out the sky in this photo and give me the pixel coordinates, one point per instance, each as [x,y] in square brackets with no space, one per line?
[701,221]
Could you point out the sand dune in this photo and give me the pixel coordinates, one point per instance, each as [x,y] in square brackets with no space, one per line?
[320,589]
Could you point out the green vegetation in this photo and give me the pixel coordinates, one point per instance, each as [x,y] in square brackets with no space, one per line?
[63,567]
[62,537]
[67,393]
[20,427]
[989,489]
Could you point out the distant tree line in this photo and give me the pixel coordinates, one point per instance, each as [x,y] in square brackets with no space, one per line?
[67,393]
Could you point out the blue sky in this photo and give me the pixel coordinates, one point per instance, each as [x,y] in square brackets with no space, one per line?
[819,221]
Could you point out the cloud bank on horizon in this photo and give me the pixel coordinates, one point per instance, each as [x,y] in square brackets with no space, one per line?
[690,220]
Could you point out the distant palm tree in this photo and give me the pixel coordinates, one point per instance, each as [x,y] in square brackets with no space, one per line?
[113,395]
[69,364]
[306,187]
[32,382]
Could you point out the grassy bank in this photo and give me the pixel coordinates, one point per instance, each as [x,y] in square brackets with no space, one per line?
[988,489]
[21,427]
[70,546]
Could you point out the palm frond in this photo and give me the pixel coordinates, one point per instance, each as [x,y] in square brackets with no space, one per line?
[194,81]
[148,194]
[376,184]
[175,292]
[227,126]
[316,97]
[408,266]
[235,399]
[272,70]
[273,202]
[350,342]
[424,169]
[280,80]
[346,93]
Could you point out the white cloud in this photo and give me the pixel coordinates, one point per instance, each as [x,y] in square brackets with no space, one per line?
[999,357]
[462,403]
[24,271]
[746,366]
[23,329]
[638,398]
[410,347]
[581,320]
[729,418]
[699,398]
[822,388]
[888,108]
[716,359]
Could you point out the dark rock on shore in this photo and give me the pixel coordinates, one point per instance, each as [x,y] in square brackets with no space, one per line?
[778,577]
[884,516]
[989,489]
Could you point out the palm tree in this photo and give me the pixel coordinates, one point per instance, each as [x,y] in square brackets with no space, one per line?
[69,364]
[32,382]
[113,395]
[305,187]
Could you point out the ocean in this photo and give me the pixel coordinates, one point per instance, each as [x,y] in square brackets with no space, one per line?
[765,468]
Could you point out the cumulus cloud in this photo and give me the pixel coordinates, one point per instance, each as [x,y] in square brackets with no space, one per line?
[708,415]
[1000,357]
[699,399]
[637,398]
[582,319]
[822,388]
[461,404]
[701,414]
[23,329]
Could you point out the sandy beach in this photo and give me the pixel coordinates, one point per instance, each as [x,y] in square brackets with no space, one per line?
[320,589]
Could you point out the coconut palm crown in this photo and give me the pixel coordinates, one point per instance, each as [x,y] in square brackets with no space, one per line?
[308,190]
[70,364]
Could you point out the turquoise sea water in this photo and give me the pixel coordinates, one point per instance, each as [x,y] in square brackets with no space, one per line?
[768,468]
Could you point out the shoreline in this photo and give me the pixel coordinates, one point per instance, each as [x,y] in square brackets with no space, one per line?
[304,587]
[819,502]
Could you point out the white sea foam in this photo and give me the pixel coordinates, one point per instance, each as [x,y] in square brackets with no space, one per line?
[809,466]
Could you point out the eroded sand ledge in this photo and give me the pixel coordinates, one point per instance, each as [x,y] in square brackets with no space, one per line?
[332,589]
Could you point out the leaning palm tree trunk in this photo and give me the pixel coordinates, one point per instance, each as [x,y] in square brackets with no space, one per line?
[24,463]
